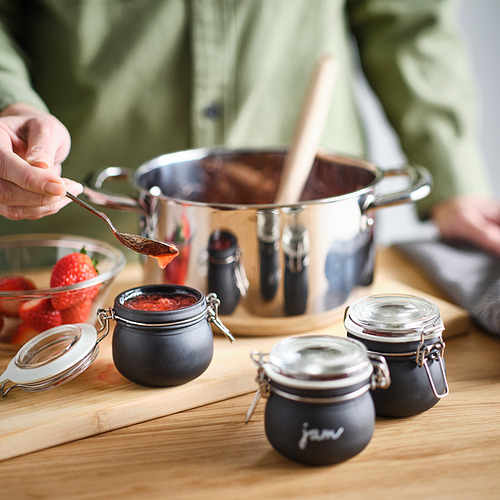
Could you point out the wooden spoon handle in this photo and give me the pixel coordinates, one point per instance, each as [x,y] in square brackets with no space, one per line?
[308,132]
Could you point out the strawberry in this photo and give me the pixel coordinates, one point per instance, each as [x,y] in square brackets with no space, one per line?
[23,333]
[176,271]
[40,314]
[78,313]
[70,269]
[10,307]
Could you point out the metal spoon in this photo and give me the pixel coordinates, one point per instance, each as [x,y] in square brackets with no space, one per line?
[162,252]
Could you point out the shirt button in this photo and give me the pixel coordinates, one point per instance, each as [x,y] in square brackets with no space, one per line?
[213,111]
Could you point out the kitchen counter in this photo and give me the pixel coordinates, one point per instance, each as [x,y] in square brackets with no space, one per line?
[450,451]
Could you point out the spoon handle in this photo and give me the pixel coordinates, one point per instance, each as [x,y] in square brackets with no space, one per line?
[103,216]
[308,131]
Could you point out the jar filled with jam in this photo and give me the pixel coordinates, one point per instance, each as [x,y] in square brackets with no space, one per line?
[163,335]
[318,405]
[226,277]
[407,331]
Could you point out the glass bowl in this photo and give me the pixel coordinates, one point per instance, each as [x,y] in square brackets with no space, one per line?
[33,257]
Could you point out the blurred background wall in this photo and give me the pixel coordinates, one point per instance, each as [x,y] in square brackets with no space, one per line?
[480,23]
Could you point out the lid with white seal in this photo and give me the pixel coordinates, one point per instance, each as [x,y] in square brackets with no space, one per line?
[393,318]
[53,357]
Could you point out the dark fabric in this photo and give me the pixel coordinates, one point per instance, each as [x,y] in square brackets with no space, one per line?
[469,277]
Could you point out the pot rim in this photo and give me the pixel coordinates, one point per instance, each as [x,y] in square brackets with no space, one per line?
[200,153]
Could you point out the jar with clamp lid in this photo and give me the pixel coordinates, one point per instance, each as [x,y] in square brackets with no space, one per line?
[318,405]
[407,331]
[226,274]
[162,346]
[162,338]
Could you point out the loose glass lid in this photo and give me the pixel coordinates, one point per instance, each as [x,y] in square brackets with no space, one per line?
[51,358]
[397,317]
[319,358]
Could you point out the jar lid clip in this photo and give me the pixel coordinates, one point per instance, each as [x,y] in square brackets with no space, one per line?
[264,389]
[213,304]
[433,352]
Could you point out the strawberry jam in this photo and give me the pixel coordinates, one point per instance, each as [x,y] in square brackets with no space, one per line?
[221,243]
[160,302]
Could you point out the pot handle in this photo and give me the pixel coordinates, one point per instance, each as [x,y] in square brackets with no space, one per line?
[420,187]
[92,189]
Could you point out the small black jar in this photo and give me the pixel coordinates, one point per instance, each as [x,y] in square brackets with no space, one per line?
[319,409]
[296,259]
[164,348]
[226,277]
[405,330]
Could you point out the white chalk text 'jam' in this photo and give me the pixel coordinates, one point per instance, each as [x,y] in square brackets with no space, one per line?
[318,435]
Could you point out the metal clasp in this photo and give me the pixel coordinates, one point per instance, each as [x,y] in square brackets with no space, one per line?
[381,377]
[213,304]
[264,389]
[104,316]
[240,276]
[4,389]
[433,352]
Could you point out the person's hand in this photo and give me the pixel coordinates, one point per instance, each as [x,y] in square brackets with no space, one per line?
[476,220]
[33,144]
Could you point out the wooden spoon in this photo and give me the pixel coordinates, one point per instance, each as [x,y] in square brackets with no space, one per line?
[162,252]
[300,159]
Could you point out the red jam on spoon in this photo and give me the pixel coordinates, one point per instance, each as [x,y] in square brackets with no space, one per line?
[164,260]
[160,302]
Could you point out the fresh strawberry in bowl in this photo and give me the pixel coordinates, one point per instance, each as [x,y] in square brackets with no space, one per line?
[23,333]
[10,306]
[78,313]
[73,268]
[55,283]
[40,314]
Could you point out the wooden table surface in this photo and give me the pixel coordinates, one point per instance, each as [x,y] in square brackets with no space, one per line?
[450,451]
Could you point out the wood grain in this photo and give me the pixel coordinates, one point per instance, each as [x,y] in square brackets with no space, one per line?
[452,451]
[101,399]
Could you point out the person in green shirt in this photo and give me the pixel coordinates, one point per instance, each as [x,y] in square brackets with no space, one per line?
[125,81]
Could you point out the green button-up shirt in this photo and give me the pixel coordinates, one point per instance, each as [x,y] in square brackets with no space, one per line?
[132,79]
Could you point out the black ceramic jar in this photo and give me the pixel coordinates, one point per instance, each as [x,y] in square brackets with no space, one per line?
[164,347]
[319,409]
[405,330]
[225,273]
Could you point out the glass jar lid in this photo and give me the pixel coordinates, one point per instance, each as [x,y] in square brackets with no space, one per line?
[393,318]
[51,358]
[318,361]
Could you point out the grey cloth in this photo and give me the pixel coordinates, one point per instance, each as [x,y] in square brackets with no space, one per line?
[466,275]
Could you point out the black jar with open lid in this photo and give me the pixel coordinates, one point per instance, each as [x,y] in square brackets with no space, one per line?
[407,331]
[319,410]
[154,348]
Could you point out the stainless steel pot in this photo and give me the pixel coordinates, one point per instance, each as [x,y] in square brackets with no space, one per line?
[276,269]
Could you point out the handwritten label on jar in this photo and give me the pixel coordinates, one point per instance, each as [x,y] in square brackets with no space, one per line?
[318,435]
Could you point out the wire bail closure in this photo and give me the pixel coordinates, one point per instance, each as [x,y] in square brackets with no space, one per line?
[381,377]
[432,352]
[104,316]
[213,304]
[242,282]
[264,389]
